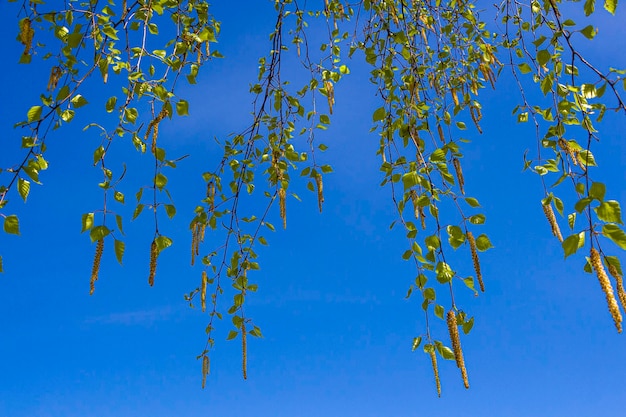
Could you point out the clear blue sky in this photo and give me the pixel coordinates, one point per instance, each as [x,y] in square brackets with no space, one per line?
[331,301]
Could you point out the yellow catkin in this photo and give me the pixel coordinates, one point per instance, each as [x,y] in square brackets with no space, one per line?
[433,361]
[621,294]
[607,288]
[282,202]
[563,144]
[459,174]
[153,127]
[55,75]
[320,191]
[201,230]
[330,95]
[476,116]
[206,369]
[456,345]
[26,35]
[455,98]
[210,195]
[154,253]
[205,280]
[95,269]
[416,207]
[194,242]
[556,231]
[475,260]
[422,217]
[440,131]
[244,351]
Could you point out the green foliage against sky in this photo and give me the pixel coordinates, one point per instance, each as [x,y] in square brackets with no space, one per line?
[125,63]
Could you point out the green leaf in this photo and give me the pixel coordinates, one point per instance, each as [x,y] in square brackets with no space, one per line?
[438,155]
[477,219]
[170,210]
[410,179]
[63,93]
[456,237]
[472,202]
[609,211]
[590,7]
[429,293]
[110,104]
[98,154]
[23,188]
[582,204]
[469,283]
[34,113]
[483,243]
[78,101]
[160,181]
[163,242]
[614,261]
[416,340]
[98,232]
[432,242]
[232,334]
[616,234]
[67,115]
[119,197]
[87,222]
[110,32]
[379,114]
[131,114]
[597,191]
[589,32]
[444,272]
[586,158]
[573,243]
[524,68]
[182,108]
[118,221]
[467,326]
[137,211]
[12,225]
[543,56]
[119,250]
[439,311]
[610,6]
[446,353]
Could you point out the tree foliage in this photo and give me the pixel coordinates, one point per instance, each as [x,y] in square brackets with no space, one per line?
[429,61]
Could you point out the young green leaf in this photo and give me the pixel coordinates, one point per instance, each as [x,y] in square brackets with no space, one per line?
[12,225]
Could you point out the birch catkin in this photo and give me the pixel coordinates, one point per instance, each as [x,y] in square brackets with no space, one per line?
[547,210]
[282,202]
[456,345]
[475,260]
[605,283]
[206,369]
[459,174]
[621,294]
[154,253]
[433,361]
[96,266]
[244,351]
[203,291]
[320,191]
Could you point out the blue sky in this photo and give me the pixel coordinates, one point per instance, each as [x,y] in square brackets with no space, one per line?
[331,301]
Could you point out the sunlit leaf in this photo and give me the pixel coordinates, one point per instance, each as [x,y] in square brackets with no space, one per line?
[12,225]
